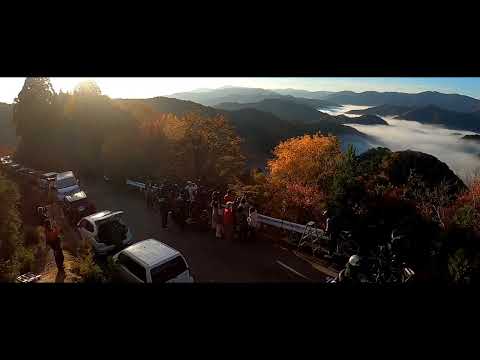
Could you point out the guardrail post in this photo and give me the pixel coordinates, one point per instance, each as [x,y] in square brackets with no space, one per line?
[311,235]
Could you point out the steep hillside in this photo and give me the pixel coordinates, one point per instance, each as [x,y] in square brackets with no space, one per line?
[284,109]
[382,110]
[433,171]
[437,116]
[261,130]
[433,115]
[170,105]
[397,166]
[364,120]
[7,130]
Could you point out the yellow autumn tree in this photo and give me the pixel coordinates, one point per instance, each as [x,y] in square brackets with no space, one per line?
[301,174]
[208,148]
[308,160]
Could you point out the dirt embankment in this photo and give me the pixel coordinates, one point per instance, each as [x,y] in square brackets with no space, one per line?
[44,262]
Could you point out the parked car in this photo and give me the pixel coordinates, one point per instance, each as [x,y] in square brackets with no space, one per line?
[151,261]
[31,176]
[105,231]
[21,170]
[12,167]
[46,178]
[6,160]
[5,163]
[77,206]
[65,183]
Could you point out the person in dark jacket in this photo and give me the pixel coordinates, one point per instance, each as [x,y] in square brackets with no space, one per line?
[52,236]
[163,207]
[181,209]
[332,229]
[242,222]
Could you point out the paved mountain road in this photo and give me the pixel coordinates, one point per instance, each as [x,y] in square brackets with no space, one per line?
[211,259]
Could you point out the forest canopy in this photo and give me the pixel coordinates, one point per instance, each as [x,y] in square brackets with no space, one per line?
[93,134]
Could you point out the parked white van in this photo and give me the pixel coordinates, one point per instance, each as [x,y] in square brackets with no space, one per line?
[151,261]
[65,183]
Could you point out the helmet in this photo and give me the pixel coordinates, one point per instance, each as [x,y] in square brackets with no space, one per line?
[397,234]
[354,260]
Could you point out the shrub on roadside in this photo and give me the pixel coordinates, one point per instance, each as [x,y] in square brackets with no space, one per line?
[466,216]
[25,259]
[33,235]
[87,269]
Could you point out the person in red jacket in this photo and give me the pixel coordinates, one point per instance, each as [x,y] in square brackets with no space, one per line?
[228,221]
[229,197]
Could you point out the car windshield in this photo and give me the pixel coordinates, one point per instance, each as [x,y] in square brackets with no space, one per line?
[169,270]
[64,183]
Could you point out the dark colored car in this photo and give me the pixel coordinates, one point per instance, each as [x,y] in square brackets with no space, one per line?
[46,178]
[32,176]
[77,206]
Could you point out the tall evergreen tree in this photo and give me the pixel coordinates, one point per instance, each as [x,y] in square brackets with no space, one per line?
[31,114]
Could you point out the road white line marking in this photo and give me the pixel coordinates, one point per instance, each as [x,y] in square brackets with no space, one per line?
[292,270]
[316,265]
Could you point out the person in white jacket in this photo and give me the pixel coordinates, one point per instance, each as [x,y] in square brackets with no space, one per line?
[192,189]
[253,224]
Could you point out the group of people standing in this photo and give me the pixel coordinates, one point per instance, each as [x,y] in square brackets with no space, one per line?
[183,203]
[228,216]
[232,215]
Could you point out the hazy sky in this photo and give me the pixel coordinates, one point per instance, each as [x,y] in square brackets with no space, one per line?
[150,87]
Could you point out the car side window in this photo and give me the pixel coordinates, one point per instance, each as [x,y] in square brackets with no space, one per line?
[131,265]
[169,270]
[86,225]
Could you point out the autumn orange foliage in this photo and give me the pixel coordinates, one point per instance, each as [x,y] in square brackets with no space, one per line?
[300,175]
[308,160]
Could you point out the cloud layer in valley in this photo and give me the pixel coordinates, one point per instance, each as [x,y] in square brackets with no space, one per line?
[461,156]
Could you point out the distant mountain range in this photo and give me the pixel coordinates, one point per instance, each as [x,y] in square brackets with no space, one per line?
[214,97]
[430,114]
[453,102]
[304,93]
[262,125]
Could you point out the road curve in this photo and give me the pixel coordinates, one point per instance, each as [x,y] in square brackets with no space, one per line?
[211,259]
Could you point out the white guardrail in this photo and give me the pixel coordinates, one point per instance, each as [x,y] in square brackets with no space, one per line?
[281,224]
[136,184]
[263,219]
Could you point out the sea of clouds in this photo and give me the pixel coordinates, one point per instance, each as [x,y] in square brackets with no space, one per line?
[463,157]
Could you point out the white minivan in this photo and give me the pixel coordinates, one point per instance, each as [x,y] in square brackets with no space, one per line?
[105,231]
[65,183]
[151,261]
